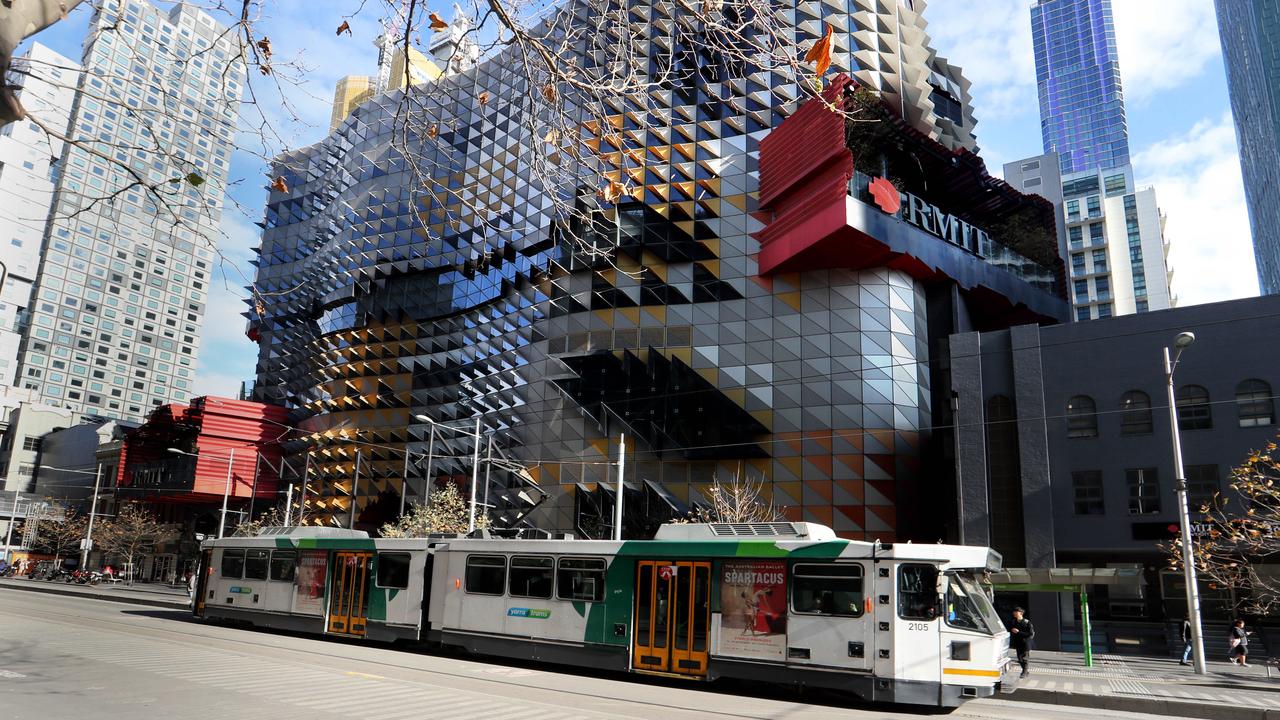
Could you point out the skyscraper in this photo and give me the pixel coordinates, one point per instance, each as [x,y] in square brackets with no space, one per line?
[1250,31]
[1078,80]
[113,326]
[28,170]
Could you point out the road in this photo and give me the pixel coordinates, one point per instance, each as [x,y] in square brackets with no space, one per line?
[66,657]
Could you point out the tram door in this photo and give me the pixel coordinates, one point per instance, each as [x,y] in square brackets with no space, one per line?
[349,599]
[204,568]
[673,617]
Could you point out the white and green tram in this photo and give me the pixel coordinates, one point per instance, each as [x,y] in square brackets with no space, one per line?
[786,603]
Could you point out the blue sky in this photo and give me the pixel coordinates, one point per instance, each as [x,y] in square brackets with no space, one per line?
[1181,136]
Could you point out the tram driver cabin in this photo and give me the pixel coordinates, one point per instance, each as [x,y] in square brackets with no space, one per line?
[786,603]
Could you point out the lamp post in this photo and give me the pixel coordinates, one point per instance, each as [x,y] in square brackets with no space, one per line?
[226,493]
[93,510]
[1180,343]
[475,461]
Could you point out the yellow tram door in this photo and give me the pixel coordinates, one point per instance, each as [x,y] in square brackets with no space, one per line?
[349,599]
[673,616]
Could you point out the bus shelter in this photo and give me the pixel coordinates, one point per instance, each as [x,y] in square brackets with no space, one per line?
[1067,580]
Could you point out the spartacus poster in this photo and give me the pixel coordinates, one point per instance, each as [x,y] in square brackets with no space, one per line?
[753,603]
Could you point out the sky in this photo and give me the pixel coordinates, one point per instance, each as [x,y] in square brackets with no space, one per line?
[1181,135]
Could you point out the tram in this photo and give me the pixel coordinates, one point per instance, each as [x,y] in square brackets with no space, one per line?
[786,603]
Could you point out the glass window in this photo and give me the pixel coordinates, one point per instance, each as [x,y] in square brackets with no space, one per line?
[393,570]
[581,579]
[1087,487]
[1144,491]
[969,607]
[828,589]
[1202,486]
[1082,417]
[283,563]
[1194,411]
[530,577]
[486,574]
[256,563]
[917,592]
[1253,401]
[233,564]
[1135,417]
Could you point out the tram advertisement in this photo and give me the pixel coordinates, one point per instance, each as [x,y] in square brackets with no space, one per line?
[309,596]
[753,600]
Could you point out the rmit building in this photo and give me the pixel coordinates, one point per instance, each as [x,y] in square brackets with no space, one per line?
[766,299]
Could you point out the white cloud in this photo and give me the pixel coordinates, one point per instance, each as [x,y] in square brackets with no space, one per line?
[991,42]
[1197,179]
[1163,43]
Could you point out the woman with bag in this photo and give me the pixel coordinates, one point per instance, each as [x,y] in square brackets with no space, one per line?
[1239,644]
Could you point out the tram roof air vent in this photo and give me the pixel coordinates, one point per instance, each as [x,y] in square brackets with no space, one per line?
[693,531]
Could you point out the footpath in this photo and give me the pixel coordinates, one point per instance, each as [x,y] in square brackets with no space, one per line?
[154,594]
[1115,683]
[1154,685]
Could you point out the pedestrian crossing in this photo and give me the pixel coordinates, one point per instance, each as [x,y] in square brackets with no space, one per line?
[313,693]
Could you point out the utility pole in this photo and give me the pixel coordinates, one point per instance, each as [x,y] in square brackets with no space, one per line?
[622,472]
[8,535]
[355,494]
[93,509]
[426,488]
[475,478]
[302,498]
[1182,342]
[226,493]
[288,505]
[404,486]
[488,467]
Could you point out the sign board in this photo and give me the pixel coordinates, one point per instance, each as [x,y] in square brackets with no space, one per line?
[667,572]
[308,592]
[753,600]
[928,217]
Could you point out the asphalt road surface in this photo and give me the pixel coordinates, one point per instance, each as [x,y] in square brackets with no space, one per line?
[68,657]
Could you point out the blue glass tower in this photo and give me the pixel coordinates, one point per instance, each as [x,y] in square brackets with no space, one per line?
[1078,79]
[1250,31]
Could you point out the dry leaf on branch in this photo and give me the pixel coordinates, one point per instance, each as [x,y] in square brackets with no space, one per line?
[265,46]
[279,185]
[433,132]
[437,24]
[820,54]
[549,92]
[345,27]
[613,191]
[484,98]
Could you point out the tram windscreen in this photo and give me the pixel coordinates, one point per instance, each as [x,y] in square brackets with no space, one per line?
[969,607]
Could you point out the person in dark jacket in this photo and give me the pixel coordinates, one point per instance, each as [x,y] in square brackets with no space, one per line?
[1239,644]
[1021,631]
[1186,641]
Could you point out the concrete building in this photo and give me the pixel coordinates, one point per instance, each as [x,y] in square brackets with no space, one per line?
[1060,465]
[353,90]
[1078,81]
[1113,237]
[1039,175]
[115,313]
[784,336]
[69,462]
[1250,32]
[28,170]
[20,446]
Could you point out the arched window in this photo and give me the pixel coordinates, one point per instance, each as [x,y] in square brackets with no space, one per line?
[1253,400]
[1135,417]
[1194,411]
[1082,417]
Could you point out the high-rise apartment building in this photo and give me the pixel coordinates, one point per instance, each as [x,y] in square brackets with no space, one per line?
[1250,31]
[1078,80]
[113,326]
[28,169]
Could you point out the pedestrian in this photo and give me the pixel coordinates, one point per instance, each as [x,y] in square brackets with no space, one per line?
[191,585]
[1186,641]
[1021,631]
[1239,644]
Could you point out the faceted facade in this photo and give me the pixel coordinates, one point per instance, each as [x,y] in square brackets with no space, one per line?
[113,324]
[1250,31]
[1078,79]
[381,301]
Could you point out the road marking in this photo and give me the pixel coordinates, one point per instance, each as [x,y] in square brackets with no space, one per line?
[11,675]
[367,676]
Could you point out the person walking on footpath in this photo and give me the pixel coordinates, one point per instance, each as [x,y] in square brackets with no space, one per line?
[1021,632]
[1239,644]
[1186,641]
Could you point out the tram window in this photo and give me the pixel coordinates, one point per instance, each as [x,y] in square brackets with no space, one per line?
[283,564]
[581,579]
[233,564]
[255,564]
[530,577]
[917,592]
[827,590]
[393,570]
[486,574]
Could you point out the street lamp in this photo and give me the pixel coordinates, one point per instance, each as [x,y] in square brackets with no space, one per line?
[475,461]
[1180,343]
[226,493]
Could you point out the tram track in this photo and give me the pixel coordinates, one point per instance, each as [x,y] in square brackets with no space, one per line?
[361,659]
